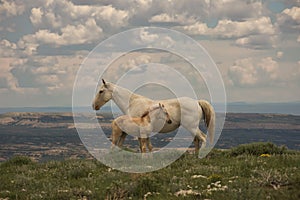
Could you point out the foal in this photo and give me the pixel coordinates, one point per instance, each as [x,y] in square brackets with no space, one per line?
[140,127]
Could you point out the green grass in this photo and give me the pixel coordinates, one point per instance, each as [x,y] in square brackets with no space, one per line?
[239,173]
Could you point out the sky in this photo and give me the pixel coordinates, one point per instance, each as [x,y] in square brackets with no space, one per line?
[255,44]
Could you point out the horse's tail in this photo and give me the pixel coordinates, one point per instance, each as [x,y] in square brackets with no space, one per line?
[209,118]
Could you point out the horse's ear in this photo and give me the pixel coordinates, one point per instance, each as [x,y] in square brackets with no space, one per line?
[104,83]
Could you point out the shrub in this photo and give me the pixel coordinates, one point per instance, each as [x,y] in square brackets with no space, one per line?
[145,184]
[214,178]
[18,161]
[257,149]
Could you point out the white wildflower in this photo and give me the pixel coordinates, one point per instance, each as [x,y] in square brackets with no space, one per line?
[199,176]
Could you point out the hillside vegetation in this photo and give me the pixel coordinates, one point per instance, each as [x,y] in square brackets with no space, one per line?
[252,171]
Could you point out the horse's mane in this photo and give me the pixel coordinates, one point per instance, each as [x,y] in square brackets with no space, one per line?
[145,114]
[148,111]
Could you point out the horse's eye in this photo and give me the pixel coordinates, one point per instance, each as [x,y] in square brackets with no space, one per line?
[101,91]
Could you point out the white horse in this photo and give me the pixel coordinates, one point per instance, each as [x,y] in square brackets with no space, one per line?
[183,111]
[140,127]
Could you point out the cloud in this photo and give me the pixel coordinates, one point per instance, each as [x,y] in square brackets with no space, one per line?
[289,19]
[135,64]
[46,74]
[79,34]
[250,72]
[7,48]
[257,41]
[62,23]
[58,14]
[36,16]
[146,37]
[279,54]
[236,9]
[234,29]
[11,8]
[180,19]
[7,80]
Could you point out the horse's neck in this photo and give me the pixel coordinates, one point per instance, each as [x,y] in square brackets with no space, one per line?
[152,116]
[146,118]
[122,97]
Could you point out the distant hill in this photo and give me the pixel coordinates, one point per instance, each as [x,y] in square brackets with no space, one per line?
[233,120]
[232,107]
[47,136]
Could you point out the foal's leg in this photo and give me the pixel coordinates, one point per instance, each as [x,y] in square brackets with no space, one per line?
[122,139]
[116,133]
[144,145]
[143,142]
[150,147]
[140,143]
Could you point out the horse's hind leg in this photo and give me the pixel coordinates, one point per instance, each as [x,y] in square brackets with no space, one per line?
[197,146]
[199,135]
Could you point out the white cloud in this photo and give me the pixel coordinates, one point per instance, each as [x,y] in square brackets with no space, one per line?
[7,48]
[146,37]
[268,68]
[231,29]
[257,41]
[243,72]
[236,9]
[64,23]
[135,64]
[177,18]
[234,29]
[198,28]
[7,80]
[279,54]
[251,72]
[45,74]
[289,19]
[79,34]
[11,8]
[55,15]
[36,16]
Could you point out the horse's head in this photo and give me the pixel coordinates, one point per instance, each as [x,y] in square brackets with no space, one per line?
[103,95]
[162,113]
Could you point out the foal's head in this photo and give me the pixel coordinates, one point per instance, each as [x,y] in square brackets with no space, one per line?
[159,112]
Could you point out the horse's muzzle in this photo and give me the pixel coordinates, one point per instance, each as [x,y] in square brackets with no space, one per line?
[95,107]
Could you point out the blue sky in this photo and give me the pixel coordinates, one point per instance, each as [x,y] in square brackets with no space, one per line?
[255,44]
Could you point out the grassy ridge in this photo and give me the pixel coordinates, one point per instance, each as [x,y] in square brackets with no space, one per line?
[253,171]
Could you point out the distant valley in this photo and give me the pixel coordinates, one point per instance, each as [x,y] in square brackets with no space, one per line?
[45,136]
